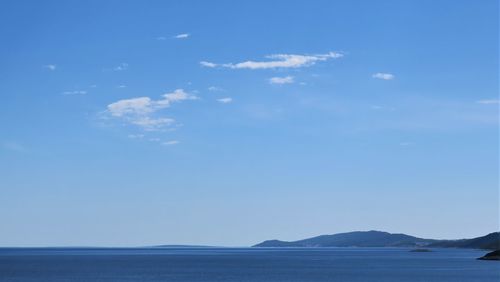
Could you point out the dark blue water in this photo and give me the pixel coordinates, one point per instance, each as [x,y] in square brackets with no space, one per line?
[243,264]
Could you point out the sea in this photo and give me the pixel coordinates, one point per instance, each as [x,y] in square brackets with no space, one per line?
[245,265]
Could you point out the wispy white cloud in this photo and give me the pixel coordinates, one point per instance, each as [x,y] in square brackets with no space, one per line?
[155,139]
[225,100]
[208,64]
[75,92]
[50,67]
[488,102]
[152,124]
[161,38]
[171,142]
[278,61]
[178,95]
[121,67]
[93,86]
[145,105]
[136,136]
[215,89]
[121,86]
[281,80]
[139,111]
[134,106]
[182,36]
[383,76]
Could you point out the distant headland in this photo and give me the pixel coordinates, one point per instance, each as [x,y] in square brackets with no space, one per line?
[385,239]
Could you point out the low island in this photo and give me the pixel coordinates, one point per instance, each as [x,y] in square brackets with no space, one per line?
[420,251]
[495,255]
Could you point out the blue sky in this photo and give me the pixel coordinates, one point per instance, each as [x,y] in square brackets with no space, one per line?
[130,123]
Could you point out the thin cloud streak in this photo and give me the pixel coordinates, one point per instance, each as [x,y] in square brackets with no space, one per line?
[76,92]
[278,61]
[488,102]
[170,143]
[226,100]
[182,36]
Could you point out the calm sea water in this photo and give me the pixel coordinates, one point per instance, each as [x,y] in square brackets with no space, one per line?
[246,264]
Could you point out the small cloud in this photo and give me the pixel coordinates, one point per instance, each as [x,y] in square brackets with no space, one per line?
[281,80]
[121,86]
[208,64]
[139,111]
[154,139]
[169,143]
[226,100]
[182,36]
[383,76]
[215,89]
[93,86]
[121,67]
[161,38]
[76,92]
[145,105]
[136,136]
[178,95]
[488,102]
[50,67]
[279,61]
